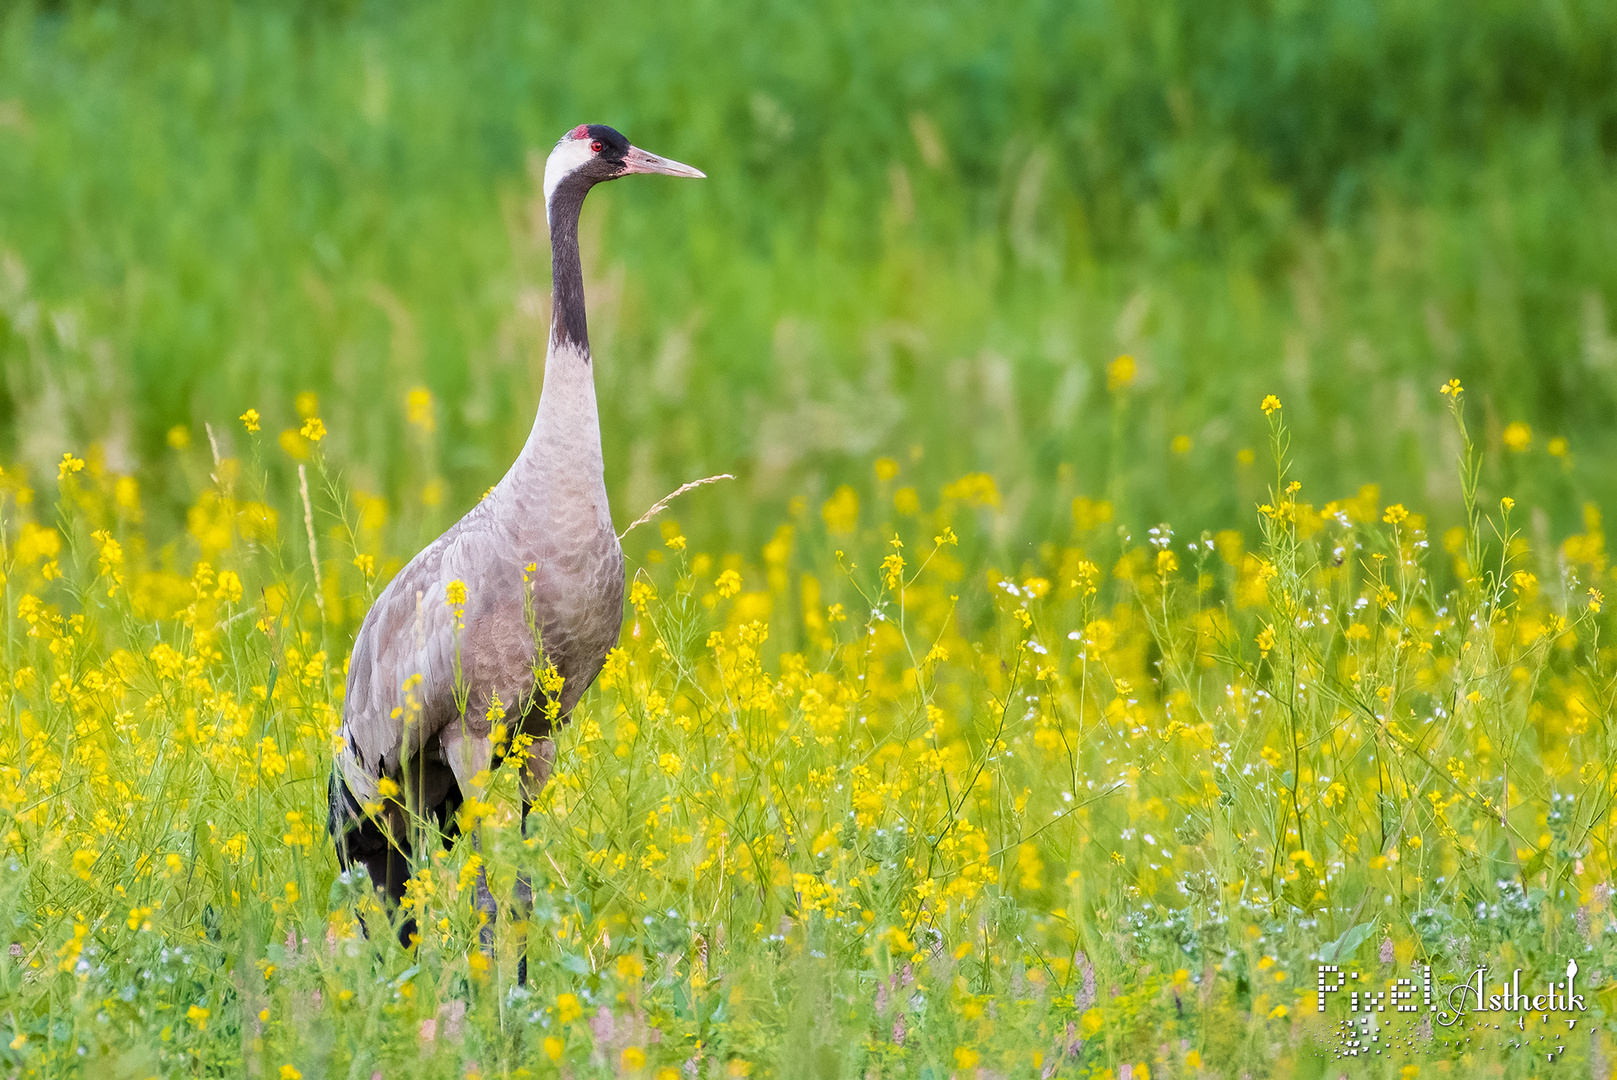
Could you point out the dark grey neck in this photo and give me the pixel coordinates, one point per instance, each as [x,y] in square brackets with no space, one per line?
[567,322]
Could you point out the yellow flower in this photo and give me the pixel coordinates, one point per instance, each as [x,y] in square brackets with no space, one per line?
[290,1072]
[295,445]
[69,465]
[455,594]
[633,1057]
[313,429]
[675,542]
[418,408]
[1507,503]
[965,1057]
[975,489]
[229,589]
[1266,640]
[893,571]
[249,419]
[553,1047]
[1452,388]
[1518,437]
[1120,373]
[298,833]
[197,1015]
[886,468]
[1557,447]
[568,1008]
[841,511]
[728,583]
[1270,405]
[179,437]
[366,564]
[1395,514]
[1180,445]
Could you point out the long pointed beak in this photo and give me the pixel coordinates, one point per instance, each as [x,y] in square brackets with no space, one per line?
[638,161]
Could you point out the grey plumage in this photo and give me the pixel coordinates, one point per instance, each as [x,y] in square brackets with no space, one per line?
[540,564]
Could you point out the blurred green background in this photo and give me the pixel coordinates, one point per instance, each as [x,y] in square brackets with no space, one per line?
[927,232]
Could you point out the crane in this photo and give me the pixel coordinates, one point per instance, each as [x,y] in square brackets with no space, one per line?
[525,589]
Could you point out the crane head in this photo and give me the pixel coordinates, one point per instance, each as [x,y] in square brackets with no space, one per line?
[592,153]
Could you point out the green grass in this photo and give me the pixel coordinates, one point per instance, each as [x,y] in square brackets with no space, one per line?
[918,222]
[928,236]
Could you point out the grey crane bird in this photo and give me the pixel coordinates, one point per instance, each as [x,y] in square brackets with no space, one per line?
[543,577]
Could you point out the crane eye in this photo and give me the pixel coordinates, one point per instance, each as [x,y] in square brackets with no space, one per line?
[595,147]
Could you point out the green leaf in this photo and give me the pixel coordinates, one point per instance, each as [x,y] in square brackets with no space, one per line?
[1345,945]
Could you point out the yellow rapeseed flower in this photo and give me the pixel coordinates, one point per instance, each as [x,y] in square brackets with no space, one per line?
[249,420]
[290,1072]
[974,489]
[1518,437]
[1452,388]
[841,511]
[418,408]
[1120,373]
[455,594]
[313,429]
[1270,405]
[568,1008]
[68,466]
[728,583]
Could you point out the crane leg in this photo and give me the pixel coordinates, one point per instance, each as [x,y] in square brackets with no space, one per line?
[536,766]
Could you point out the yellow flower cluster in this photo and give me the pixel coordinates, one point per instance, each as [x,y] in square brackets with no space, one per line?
[909,760]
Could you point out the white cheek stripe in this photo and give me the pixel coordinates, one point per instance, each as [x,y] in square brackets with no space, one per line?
[568,155]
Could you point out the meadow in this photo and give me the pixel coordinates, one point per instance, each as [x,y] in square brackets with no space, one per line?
[1171,445]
